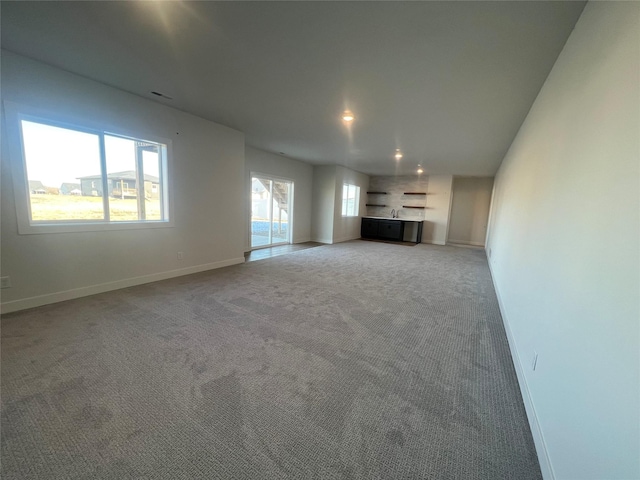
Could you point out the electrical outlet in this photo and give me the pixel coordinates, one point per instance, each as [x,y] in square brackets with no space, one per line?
[180,255]
[534,362]
[5,282]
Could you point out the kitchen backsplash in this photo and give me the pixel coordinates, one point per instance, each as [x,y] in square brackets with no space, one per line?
[396,197]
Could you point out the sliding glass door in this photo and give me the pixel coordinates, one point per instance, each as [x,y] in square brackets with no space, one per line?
[270,211]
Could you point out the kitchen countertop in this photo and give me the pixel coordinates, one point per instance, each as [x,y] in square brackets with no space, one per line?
[397,219]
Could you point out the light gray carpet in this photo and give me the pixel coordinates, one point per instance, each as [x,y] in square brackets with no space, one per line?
[359,360]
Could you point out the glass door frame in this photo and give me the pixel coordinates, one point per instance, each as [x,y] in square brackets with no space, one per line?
[271,178]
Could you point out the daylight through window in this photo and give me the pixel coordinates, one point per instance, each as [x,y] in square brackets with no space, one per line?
[76,175]
[350,200]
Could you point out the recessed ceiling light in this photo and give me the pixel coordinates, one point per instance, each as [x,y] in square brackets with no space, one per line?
[420,169]
[398,154]
[348,116]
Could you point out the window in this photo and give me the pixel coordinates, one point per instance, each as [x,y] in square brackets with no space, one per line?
[350,200]
[82,177]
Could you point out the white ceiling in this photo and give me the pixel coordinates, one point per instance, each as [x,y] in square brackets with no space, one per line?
[448,83]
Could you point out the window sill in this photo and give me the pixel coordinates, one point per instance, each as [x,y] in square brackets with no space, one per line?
[46,228]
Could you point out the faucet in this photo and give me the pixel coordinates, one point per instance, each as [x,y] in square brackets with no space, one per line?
[394,214]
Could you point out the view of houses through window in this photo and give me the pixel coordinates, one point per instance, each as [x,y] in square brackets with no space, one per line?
[68,182]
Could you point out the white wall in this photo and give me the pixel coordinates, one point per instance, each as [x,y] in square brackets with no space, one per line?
[470,210]
[207,178]
[563,243]
[348,228]
[286,168]
[327,224]
[323,203]
[438,206]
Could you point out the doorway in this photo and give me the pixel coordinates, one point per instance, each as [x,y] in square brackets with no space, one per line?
[470,210]
[271,220]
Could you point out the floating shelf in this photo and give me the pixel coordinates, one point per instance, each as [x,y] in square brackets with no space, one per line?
[374,205]
[377,193]
[411,206]
[414,193]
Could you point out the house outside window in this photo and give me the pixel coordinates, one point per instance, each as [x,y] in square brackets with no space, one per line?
[102,180]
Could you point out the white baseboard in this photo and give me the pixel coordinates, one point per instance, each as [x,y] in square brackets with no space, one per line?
[538,437]
[465,242]
[39,300]
[345,239]
[302,240]
[327,241]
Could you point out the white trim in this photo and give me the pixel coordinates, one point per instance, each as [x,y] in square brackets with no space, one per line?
[46,228]
[269,245]
[546,466]
[346,239]
[302,240]
[291,212]
[465,242]
[39,300]
[326,241]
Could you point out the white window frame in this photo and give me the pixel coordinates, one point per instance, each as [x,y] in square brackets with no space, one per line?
[345,202]
[273,178]
[15,113]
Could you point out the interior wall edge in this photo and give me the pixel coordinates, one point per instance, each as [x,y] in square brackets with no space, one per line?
[326,241]
[536,431]
[49,298]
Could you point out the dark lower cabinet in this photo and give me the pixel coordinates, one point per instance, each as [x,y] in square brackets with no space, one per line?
[393,230]
[390,230]
[382,229]
[369,228]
